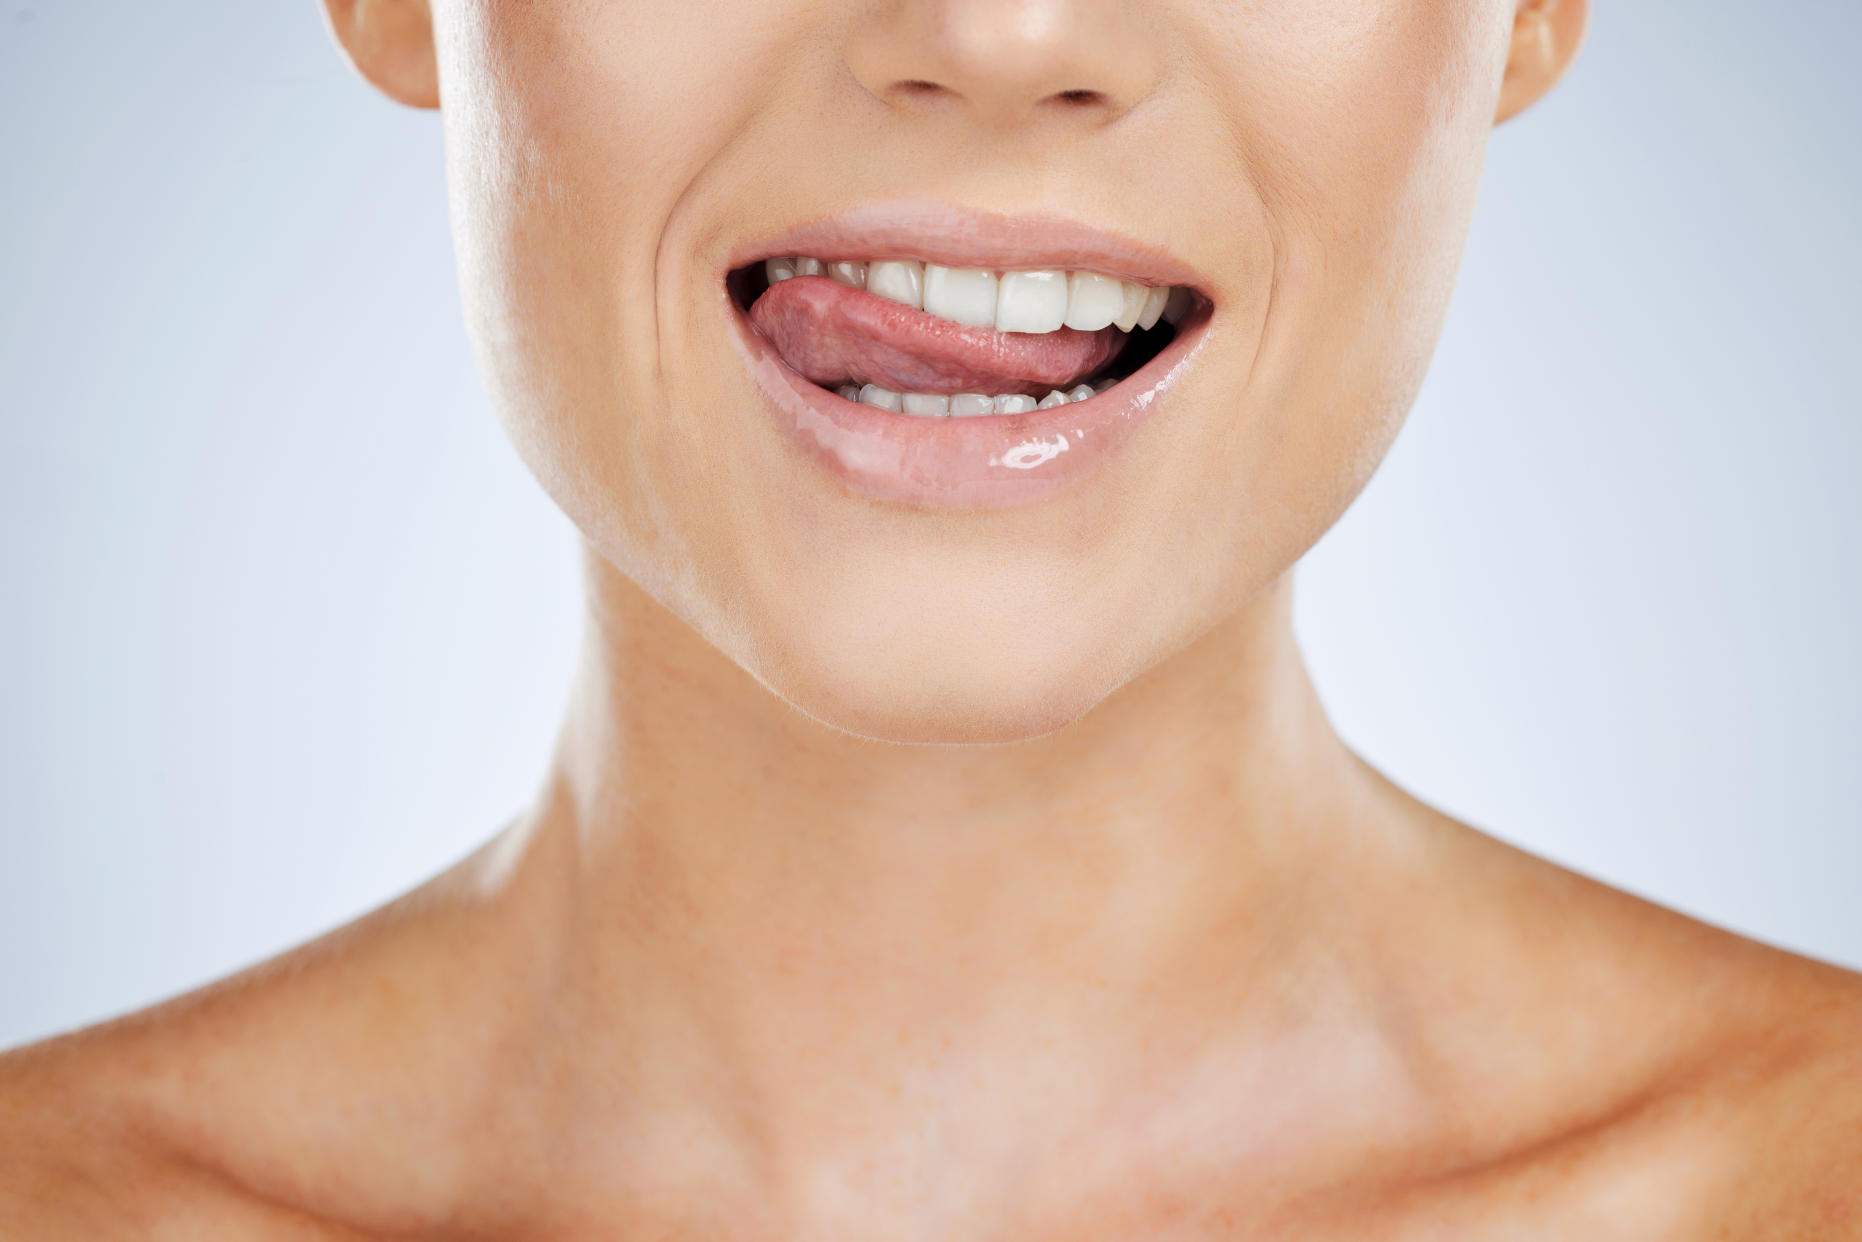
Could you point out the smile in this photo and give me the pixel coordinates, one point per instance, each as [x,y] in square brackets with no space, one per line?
[931,356]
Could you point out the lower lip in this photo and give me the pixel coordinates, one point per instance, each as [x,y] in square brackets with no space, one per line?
[980,462]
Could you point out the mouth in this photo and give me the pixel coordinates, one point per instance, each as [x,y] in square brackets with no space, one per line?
[929,341]
[932,356]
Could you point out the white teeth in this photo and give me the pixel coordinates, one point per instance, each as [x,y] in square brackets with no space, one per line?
[925,404]
[902,281]
[1154,301]
[1093,301]
[966,404]
[961,295]
[1127,318]
[1177,306]
[1031,301]
[884,398]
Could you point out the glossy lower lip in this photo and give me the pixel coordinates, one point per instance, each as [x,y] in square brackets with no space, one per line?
[987,461]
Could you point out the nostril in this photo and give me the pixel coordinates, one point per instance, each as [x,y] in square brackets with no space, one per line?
[918,86]
[1079,98]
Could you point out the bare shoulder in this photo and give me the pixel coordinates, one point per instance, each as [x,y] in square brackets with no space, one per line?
[59,1154]
[86,1150]
[1762,1123]
[1800,1107]
[236,1111]
[1687,1076]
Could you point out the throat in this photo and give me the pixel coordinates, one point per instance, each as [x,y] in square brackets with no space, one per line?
[768,868]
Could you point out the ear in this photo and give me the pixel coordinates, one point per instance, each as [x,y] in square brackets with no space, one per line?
[390,42]
[1546,34]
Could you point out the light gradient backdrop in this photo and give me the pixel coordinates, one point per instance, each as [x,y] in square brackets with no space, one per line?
[286,626]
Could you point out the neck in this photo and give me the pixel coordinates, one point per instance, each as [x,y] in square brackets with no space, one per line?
[793,905]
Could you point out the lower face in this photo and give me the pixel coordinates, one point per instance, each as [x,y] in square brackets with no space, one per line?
[765,313]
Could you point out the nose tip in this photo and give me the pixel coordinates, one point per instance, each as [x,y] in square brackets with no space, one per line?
[1008,62]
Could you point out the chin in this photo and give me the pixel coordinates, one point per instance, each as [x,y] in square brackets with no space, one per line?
[905,678]
[954,711]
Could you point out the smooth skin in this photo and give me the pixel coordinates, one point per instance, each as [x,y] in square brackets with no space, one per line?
[1147,953]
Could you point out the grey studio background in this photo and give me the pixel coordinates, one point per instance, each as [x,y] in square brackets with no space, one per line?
[287,627]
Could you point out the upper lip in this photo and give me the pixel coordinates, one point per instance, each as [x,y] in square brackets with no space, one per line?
[962,237]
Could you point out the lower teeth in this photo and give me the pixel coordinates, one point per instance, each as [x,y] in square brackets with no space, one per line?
[965,404]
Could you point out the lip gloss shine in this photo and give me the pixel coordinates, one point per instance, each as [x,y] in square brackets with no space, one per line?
[982,462]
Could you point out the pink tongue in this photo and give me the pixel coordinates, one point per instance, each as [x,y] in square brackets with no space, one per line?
[836,335]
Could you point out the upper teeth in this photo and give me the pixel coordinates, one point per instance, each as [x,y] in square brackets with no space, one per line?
[1033,301]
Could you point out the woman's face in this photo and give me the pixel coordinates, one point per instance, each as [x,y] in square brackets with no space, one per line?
[1305,167]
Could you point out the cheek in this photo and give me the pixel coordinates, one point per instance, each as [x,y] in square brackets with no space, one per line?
[1363,126]
[573,133]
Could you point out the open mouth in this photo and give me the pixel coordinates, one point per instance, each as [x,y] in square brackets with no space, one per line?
[928,341]
[935,356]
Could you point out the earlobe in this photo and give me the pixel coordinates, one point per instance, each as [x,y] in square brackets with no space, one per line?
[390,42]
[1546,34]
